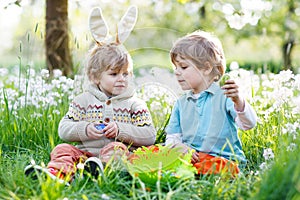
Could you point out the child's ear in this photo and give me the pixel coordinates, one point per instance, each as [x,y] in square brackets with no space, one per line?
[95,79]
[207,68]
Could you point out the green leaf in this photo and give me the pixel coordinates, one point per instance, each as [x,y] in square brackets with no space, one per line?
[164,164]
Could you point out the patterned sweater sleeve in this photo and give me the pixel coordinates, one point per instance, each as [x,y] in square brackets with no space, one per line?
[141,131]
[72,127]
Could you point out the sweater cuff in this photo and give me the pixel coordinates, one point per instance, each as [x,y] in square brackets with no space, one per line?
[122,136]
[81,130]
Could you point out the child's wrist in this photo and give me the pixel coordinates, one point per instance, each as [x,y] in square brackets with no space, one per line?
[240,107]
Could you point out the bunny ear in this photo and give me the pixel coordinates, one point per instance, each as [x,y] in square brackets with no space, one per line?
[98,26]
[126,24]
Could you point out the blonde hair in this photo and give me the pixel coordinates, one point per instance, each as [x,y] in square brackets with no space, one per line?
[200,47]
[107,56]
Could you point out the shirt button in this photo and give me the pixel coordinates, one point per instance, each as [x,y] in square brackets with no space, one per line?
[108,102]
[107,120]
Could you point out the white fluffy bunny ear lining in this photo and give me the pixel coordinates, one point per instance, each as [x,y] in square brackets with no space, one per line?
[126,24]
[97,25]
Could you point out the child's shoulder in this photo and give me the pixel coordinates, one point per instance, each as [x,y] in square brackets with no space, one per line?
[84,97]
[136,102]
[136,99]
[184,96]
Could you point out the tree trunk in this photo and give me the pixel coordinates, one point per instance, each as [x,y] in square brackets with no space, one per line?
[287,54]
[57,38]
[289,42]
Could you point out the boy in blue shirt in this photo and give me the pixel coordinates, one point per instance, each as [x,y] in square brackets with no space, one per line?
[206,118]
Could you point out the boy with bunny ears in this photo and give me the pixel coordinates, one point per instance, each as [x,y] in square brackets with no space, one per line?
[107,120]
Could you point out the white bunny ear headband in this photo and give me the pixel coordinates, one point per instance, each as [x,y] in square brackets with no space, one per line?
[99,28]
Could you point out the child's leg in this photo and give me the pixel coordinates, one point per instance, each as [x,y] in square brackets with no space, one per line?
[65,157]
[208,164]
[113,149]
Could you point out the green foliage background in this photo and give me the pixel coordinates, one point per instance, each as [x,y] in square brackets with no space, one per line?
[25,138]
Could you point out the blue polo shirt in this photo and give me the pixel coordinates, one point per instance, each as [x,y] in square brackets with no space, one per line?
[207,124]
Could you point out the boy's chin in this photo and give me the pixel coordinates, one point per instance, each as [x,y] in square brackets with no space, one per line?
[186,88]
[118,92]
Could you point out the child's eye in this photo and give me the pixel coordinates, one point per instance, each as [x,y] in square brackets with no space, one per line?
[125,74]
[180,67]
[184,67]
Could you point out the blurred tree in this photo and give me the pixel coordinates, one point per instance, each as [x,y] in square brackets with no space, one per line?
[274,18]
[13,3]
[283,22]
[57,37]
[290,28]
[279,21]
[273,21]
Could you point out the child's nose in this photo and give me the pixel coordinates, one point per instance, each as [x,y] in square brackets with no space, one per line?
[121,77]
[177,71]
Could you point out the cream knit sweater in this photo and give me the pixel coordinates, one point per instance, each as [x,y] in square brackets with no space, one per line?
[130,113]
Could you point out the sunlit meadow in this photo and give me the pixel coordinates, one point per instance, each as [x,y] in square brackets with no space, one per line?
[31,105]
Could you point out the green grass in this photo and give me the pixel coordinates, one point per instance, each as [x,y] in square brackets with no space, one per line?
[29,132]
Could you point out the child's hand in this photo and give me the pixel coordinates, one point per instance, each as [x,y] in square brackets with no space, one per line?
[111,130]
[92,132]
[195,157]
[232,91]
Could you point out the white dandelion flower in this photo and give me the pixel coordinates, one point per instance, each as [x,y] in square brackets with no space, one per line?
[268,154]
